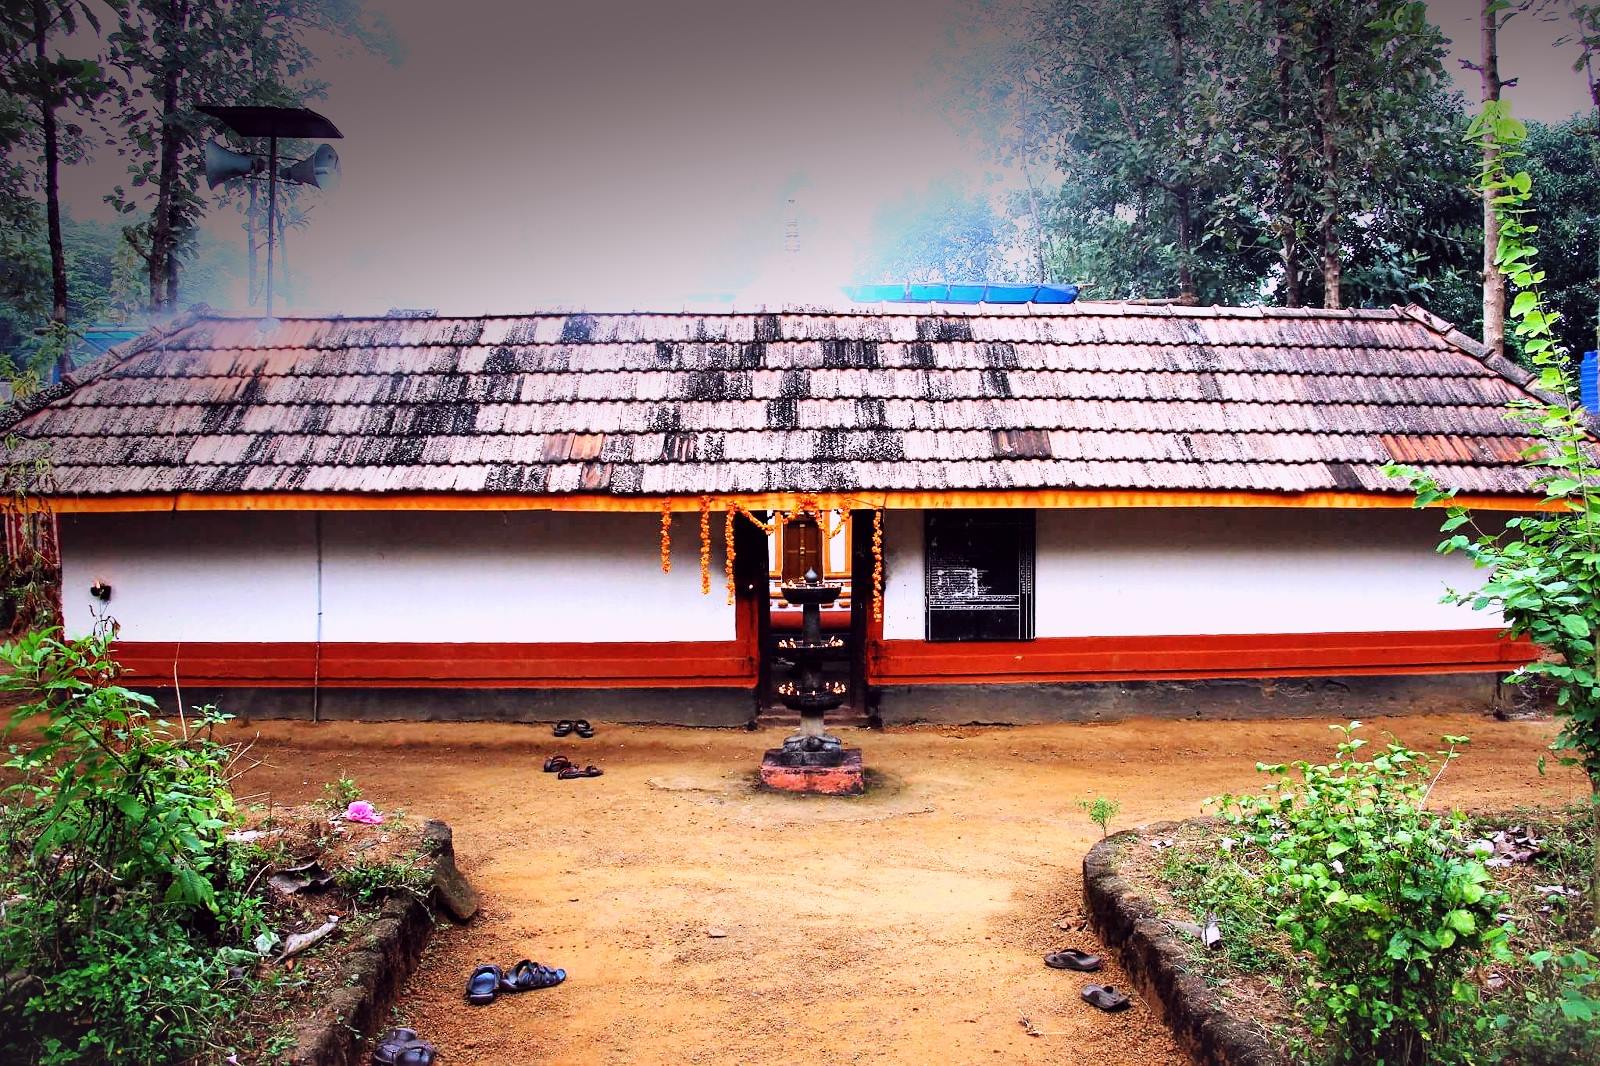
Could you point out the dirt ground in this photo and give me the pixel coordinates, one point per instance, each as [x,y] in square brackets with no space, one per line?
[906,926]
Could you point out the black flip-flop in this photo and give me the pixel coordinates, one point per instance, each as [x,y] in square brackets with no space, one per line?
[563,727]
[1072,959]
[583,728]
[400,1047]
[386,1052]
[572,772]
[527,975]
[484,983]
[1106,997]
[555,763]
[417,1053]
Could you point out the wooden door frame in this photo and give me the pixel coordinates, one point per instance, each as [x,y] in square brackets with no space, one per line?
[862,629]
[753,590]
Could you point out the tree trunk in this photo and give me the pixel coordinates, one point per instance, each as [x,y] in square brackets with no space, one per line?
[252,251]
[1287,227]
[52,190]
[1594,842]
[163,276]
[1494,282]
[1328,122]
[1293,296]
[1186,291]
[1182,192]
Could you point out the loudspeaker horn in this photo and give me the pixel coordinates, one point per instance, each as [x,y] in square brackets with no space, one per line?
[321,169]
[224,163]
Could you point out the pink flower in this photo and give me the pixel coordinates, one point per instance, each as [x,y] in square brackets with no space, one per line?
[362,811]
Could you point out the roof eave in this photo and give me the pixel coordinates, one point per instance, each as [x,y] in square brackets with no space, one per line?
[1041,499]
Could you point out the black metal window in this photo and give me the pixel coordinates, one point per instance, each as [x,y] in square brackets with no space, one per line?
[979,575]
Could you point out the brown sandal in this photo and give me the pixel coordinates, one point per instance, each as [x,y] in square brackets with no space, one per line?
[572,772]
[1106,997]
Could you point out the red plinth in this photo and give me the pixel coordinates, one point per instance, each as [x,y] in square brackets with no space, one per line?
[842,780]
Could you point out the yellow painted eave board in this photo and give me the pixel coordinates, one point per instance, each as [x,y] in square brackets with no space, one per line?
[1042,499]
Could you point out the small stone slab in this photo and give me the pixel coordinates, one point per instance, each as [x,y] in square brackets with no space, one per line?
[842,780]
[458,898]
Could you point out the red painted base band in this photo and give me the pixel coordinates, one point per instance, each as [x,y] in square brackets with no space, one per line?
[688,664]
[732,664]
[911,662]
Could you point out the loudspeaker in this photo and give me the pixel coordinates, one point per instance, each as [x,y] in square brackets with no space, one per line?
[321,169]
[224,163]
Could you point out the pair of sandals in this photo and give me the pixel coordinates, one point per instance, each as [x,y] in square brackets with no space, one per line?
[566,770]
[1105,997]
[400,1047]
[489,981]
[579,726]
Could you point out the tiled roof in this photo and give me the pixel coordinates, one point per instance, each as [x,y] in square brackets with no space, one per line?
[1083,396]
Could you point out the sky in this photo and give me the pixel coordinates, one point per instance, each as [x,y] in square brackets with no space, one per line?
[619,154]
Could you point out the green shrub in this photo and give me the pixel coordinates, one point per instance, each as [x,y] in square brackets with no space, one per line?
[1382,897]
[124,901]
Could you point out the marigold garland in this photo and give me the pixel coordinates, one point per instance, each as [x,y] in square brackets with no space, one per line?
[877,565]
[705,545]
[766,527]
[666,537]
[727,547]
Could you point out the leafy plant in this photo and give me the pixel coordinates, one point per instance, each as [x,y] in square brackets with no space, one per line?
[340,792]
[370,881]
[1544,567]
[124,900]
[1382,896]
[1207,877]
[1555,1025]
[1101,811]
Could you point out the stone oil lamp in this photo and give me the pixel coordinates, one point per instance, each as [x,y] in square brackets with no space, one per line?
[811,760]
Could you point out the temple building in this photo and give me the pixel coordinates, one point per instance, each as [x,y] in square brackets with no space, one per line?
[1039,512]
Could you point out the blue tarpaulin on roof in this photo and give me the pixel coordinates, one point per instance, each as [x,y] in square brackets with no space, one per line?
[925,293]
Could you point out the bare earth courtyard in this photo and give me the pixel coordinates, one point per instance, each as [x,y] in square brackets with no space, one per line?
[903,927]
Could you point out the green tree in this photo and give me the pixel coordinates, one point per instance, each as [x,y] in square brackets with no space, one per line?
[1193,161]
[1125,84]
[42,82]
[1341,118]
[179,54]
[1563,161]
[945,235]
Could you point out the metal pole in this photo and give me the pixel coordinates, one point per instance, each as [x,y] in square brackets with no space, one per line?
[272,212]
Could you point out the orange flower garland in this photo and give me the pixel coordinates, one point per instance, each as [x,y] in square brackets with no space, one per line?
[666,537]
[705,545]
[727,551]
[765,527]
[877,565]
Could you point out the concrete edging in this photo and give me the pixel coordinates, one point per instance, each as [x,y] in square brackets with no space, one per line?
[374,972]
[1155,958]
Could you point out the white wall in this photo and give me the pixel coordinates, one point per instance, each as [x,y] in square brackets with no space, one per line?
[1141,571]
[518,577]
[222,576]
[433,577]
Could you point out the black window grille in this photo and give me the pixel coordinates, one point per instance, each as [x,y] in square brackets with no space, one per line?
[979,575]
